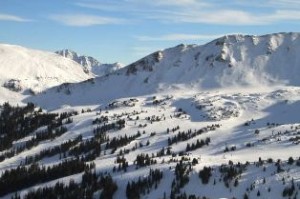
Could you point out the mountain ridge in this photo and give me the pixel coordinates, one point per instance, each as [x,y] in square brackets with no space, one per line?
[90,64]
[229,61]
[229,52]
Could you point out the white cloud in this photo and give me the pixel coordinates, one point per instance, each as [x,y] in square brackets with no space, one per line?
[218,17]
[286,3]
[285,15]
[229,17]
[108,6]
[7,17]
[218,12]
[179,3]
[179,37]
[85,20]
[116,5]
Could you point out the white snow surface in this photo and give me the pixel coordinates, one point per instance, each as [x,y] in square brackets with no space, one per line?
[37,70]
[242,83]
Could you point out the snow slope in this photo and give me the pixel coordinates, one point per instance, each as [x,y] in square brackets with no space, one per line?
[242,92]
[233,60]
[228,62]
[90,64]
[36,70]
[238,112]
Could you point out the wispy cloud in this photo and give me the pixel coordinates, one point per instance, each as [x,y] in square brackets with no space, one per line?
[179,37]
[227,17]
[137,5]
[286,3]
[8,17]
[216,12]
[179,3]
[85,20]
[218,17]
[281,15]
[108,6]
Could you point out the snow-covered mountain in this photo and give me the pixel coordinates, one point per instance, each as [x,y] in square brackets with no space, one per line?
[219,120]
[233,60]
[23,68]
[90,64]
[230,61]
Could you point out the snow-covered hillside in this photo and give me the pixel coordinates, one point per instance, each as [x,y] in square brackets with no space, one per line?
[234,60]
[220,120]
[23,68]
[230,61]
[90,64]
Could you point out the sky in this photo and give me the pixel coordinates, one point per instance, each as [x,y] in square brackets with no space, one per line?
[127,30]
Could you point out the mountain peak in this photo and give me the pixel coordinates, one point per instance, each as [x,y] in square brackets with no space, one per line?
[90,65]
[232,60]
[23,68]
[86,61]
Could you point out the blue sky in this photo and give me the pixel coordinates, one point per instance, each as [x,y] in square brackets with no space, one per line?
[126,30]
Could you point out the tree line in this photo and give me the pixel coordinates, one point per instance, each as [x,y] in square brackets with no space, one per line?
[135,189]
[91,183]
[24,177]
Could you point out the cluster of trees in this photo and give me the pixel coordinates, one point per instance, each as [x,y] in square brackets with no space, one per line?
[62,150]
[92,148]
[197,145]
[65,115]
[91,182]
[24,177]
[155,118]
[100,130]
[160,101]
[185,196]
[291,161]
[144,160]
[231,148]
[117,142]
[7,154]
[40,136]
[18,122]
[205,174]
[100,120]
[289,190]
[164,151]
[135,189]
[173,129]
[230,172]
[183,136]
[129,103]
[182,171]
[108,186]
[89,148]
[123,164]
